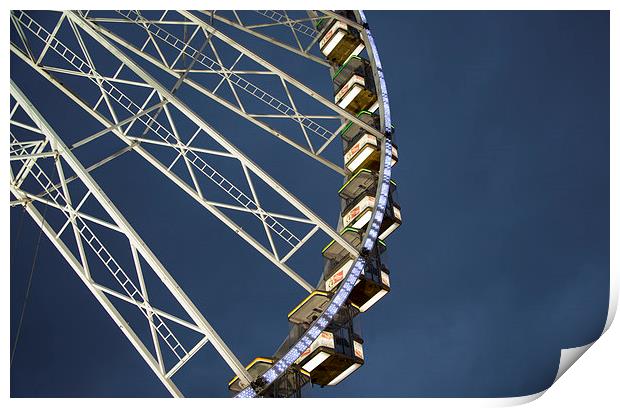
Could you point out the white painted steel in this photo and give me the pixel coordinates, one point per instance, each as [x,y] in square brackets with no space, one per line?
[57,194]
[136,242]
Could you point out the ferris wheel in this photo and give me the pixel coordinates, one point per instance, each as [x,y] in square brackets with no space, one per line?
[214,102]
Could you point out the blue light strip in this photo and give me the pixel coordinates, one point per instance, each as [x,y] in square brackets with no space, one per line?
[384,94]
[371,236]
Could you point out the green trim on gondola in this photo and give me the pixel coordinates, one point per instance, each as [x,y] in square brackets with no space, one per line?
[345,64]
[343,131]
[392,181]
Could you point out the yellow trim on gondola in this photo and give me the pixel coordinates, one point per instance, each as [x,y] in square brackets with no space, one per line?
[247,367]
[314,293]
[355,306]
[341,232]
[355,175]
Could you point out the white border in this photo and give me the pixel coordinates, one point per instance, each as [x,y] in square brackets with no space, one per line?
[596,373]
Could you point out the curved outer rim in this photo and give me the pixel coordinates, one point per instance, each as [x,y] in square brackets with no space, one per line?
[370,236]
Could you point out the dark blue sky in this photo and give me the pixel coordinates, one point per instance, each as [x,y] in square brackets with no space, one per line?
[502,124]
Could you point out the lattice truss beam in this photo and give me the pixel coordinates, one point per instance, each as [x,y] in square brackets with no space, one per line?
[274,96]
[101,70]
[90,233]
[296,34]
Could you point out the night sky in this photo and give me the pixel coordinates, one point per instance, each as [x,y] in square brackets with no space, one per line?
[502,125]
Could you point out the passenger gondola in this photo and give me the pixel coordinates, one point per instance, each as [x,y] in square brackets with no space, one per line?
[338,41]
[288,385]
[333,356]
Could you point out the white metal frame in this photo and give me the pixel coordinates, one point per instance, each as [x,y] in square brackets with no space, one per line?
[111,110]
[86,236]
[111,92]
